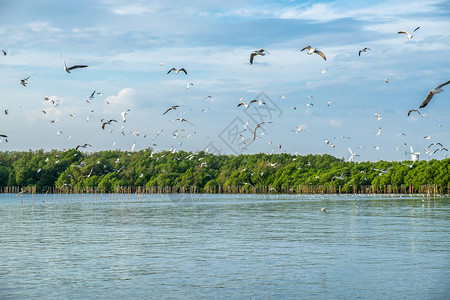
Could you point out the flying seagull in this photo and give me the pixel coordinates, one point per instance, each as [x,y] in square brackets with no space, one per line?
[107,123]
[24,82]
[72,67]
[363,50]
[411,110]
[340,177]
[123,114]
[435,144]
[253,101]
[431,93]
[256,127]
[324,210]
[82,146]
[182,120]
[436,150]
[312,50]
[4,53]
[261,52]
[174,107]
[409,36]
[383,171]
[177,70]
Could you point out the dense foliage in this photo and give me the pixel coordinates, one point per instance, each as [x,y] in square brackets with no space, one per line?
[109,169]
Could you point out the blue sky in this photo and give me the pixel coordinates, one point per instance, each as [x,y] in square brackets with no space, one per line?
[124,43]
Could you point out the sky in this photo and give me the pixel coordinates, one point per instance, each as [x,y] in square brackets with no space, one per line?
[129,48]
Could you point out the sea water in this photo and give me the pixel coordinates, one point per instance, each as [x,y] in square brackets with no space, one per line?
[224,247]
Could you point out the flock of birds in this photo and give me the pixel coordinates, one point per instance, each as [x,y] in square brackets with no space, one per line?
[107,122]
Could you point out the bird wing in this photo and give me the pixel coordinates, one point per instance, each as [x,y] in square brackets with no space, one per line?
[254,130]
[411,110]
[242,103]
[183,69]
[62,57]
[416,29]
[306,48]
[251,57]
[168,110]
[77,67]
[173,69]
[403,32]
[438,87]
[321,54]
[427,100]
[359,53]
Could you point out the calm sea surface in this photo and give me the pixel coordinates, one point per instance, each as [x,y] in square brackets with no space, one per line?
[224,247]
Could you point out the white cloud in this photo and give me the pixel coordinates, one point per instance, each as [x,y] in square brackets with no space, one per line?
[131,10]
[336,122]
[123,98]
[327,12]
[41,26]
[319,12]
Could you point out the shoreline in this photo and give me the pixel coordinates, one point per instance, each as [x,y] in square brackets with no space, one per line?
[430,189]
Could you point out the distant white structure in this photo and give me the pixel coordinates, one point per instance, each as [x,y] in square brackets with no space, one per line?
[414,155]
[352,155]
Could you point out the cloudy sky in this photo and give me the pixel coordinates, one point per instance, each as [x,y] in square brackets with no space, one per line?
[131,45]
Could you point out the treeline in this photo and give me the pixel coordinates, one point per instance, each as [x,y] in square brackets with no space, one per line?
[107,170]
